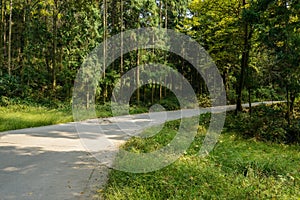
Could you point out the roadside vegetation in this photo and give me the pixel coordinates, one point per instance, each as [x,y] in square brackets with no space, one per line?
[18,113]
[246,163]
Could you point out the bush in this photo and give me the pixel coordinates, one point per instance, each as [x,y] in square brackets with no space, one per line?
[204,101]
[267,123]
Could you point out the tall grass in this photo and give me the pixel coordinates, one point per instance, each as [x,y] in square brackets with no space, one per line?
[237,168]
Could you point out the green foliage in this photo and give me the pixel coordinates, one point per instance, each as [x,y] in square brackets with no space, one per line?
[204,101]
[20,116]
[140,145]
[50,40]
[279,30]
[236,169]
[266,123]
[9,87]
[170,103]
[261,94]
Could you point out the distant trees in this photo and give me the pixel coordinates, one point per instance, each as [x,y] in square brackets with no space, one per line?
[44,42]
[246,39]
[255,44]
[280,26]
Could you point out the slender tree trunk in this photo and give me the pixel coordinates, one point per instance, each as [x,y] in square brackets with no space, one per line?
[122,45]
[9,38]
[23,44]
[145,93]
[160,90]
[156,91]
[165,90]
[288,105]
[160,13]
[4,35]
[286,49]
[104,47]
[293,98]
[249,100]
[244,65]
[138,76]
[54,44]
[166,14]
[87,97]
[2,44]
[152,92]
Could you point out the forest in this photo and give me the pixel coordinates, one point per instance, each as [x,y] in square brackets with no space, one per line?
[254,44]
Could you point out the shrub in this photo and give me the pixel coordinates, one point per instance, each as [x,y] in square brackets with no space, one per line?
[266,123]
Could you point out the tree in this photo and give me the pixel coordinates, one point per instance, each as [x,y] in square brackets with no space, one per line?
[216,26]
[247,35]
[280,34]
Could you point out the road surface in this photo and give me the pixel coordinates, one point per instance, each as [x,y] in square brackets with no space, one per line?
[50,163]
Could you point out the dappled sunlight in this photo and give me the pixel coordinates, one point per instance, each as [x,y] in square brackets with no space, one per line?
[39,173]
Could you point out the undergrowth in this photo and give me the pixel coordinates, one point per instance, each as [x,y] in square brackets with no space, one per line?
[239,167]
[267,123]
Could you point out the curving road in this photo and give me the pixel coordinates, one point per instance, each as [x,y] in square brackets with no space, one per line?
[50,163]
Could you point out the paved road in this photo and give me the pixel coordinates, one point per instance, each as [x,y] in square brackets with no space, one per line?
[50,163]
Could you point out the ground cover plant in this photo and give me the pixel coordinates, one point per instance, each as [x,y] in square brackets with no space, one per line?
[268,123]
[239,167]
[19,114]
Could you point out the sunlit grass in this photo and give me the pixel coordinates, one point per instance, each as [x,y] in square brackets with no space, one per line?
[236,169]
[18,117]
[21,116]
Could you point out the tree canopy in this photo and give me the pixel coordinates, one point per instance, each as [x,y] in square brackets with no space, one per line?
[254,43]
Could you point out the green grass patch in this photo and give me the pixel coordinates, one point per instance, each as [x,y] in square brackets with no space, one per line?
[14,117]
[27,115]
[238,168]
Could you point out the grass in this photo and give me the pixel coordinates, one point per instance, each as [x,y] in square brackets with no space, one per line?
[14,117]
[19,116]
[26,113]
[237,168]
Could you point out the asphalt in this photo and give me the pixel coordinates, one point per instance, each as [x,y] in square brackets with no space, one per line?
[52,162]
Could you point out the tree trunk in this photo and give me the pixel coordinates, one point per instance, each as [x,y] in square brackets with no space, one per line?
[166,14]
[138,76]
[288,113]
[2,44]
[104,47]
[160,90]
[152,92]
[9,38]
[249,100]
[54,47]
[293,98]
[244,64]
[122,45]
[160,13]
[165,89]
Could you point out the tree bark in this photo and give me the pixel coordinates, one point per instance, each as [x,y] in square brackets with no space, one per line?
[138,76]
[2,57]
[166,14]
[54,45]
[9,38]
[244,64]
[104,47]
[122,45]
[288,113]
